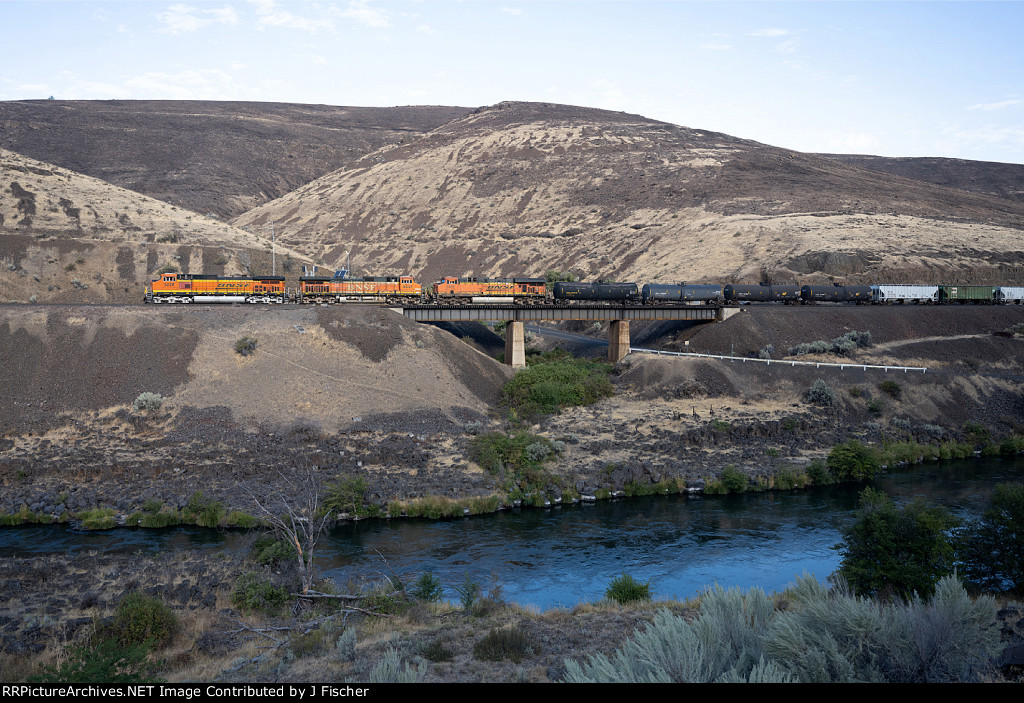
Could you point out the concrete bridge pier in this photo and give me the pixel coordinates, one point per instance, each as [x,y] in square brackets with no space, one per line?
[515,345]
[618,340]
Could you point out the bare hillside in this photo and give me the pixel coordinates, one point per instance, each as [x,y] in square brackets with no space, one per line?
[997,179]
[518,188]
[208,156]
[65,237]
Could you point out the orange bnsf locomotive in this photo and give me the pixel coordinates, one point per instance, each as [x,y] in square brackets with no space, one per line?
[189,288]
[451,289]
[339,289]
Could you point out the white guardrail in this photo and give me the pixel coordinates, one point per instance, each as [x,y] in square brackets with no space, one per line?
[817,364]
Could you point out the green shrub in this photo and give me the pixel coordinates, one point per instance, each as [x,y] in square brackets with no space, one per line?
[976,433]
[313,643]
[390,669]
[148,402]
[469,591]
[383,598]
[823,635]
[103,661]
[734,480]
[246,346]
[626,589]
[98,519]
[853,461]
[164,518]
[204,511]
[427,588]
[271,550]
[256,594]
[896,551]
[545,387]
[787,478]
[437,651]
[891,389]
[345,496]
[515,458]
[346,644]
[843,346]
[820,394]
[990,551]
[510,643]
[143,620]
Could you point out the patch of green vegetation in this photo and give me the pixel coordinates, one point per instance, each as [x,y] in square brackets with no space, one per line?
[734,480]
[437,650]
[143,620]
[102,661]
[98,519]
[316,642]
[720,425]
[203,511]
[853,461]
[516,459]
[163,518]
[240,518]
[626,589]
[254,593]
[433,507]
[346,495]
[510,643]
[556,380]
[246,345]
[891,389]
[270,550]
[897,551]
[427,588]
[787,478]
[819,474]
[976,433]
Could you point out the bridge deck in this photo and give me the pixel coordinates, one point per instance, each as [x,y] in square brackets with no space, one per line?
[519,313]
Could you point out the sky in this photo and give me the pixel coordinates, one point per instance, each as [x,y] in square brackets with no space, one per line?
[886,78]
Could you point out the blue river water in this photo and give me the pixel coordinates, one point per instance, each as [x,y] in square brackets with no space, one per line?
[567,555]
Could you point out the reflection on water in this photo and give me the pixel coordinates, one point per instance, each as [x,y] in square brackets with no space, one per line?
[569,554]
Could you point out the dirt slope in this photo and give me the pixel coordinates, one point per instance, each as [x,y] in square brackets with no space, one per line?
[518,188]
[207,156]
[66,237]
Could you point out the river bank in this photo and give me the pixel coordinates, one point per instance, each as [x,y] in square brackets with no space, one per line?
[58,599]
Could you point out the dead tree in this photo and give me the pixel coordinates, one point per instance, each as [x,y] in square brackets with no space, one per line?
[300,516]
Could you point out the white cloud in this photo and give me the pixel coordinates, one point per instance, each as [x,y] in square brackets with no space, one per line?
[852,143]
[205,84]
[988,107]
[270,15]
[786,47]
[363,13]
[770,32]
[512,10]
[426,29]
[716,47]
[35,89]
[184,18]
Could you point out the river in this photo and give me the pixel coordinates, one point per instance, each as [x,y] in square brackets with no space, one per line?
[567,555]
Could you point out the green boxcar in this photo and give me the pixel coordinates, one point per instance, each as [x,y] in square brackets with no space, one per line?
[967,294]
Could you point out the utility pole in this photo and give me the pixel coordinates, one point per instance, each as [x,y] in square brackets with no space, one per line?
[273,244]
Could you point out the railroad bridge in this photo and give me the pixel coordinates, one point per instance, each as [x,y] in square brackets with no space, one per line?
[619,317]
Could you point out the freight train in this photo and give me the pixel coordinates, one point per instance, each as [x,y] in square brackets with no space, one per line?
[452,290]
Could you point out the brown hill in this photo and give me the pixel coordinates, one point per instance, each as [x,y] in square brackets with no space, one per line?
[518,188]
[65,237]
[207,156]
[987,177]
